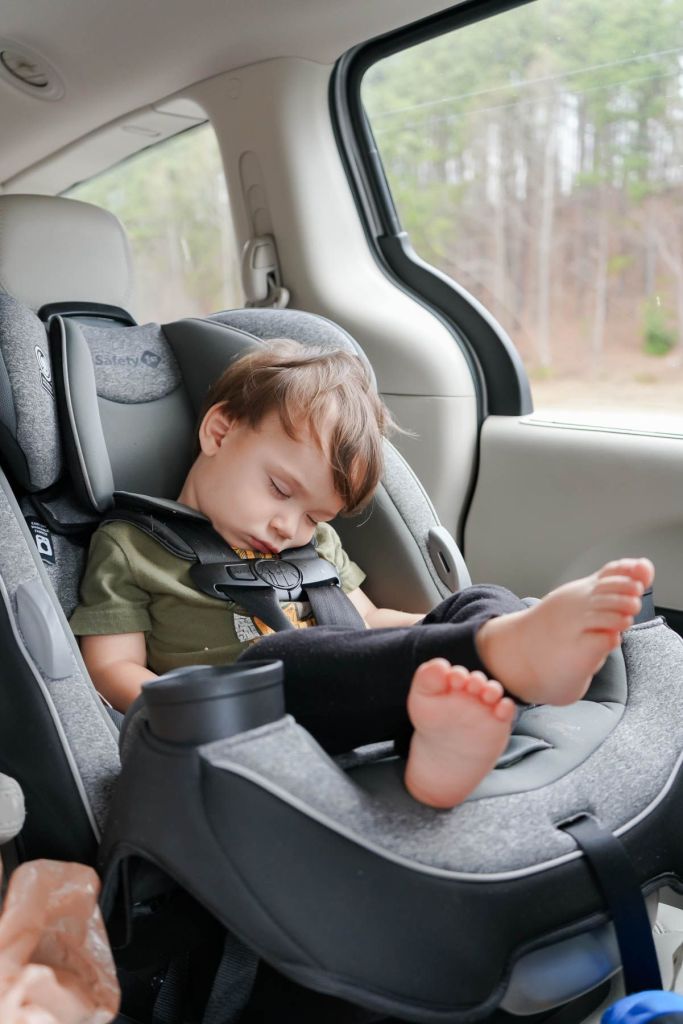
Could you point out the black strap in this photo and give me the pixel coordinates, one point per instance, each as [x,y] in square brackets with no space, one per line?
[86,309]
[233,983]
[195,539]
[261,603]
[80,530]
[329,602]
[153,527]
[619,886]
[327,607]
[169,1004]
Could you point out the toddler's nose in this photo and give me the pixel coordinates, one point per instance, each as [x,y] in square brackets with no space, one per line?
[284,526]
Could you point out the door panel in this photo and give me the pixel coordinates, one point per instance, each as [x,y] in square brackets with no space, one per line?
[553,502]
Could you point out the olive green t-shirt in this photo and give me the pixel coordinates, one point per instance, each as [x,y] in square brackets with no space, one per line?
[132,584]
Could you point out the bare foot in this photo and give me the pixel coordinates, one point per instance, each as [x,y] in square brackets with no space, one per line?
[549,653]
[462,723]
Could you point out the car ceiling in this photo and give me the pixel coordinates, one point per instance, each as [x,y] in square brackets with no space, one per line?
[113,58]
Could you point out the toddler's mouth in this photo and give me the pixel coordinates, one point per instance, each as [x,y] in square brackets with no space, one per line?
[262,547]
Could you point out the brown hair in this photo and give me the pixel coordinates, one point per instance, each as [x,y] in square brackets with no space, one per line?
[299,381]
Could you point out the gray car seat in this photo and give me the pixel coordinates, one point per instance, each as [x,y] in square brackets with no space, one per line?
[334,876]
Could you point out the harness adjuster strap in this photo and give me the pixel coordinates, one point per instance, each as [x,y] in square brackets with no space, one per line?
[617,881]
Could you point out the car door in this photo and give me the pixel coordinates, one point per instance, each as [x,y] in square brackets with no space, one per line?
[524,164]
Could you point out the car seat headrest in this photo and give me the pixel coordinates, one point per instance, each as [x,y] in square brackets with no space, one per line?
[127,421]
[307,328]
[54,249]
[29,434]
[131,396]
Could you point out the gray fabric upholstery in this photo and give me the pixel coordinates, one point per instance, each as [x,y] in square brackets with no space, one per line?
[380,539]
[401,491]
[492,835]
[27,406]
[12,811]
[132,365]
[141,445]
[308,328]
[64,555]
[73,703]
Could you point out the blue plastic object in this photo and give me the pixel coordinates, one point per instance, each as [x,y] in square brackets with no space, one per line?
[642,1007]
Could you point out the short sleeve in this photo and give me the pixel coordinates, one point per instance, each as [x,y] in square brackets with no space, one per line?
[329,546]
[111,600]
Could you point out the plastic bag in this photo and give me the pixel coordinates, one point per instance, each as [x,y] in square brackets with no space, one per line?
[56,965]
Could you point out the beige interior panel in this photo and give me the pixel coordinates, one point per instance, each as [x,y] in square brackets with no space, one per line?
[552,503]
[283,169]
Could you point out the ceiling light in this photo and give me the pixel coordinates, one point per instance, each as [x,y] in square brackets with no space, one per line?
[26,70]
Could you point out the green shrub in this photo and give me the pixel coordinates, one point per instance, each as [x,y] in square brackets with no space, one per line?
[658,336]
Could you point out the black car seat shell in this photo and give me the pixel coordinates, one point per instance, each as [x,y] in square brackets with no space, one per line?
[335,876]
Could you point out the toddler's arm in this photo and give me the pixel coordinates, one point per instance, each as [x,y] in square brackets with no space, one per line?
[376,617]
[117,665]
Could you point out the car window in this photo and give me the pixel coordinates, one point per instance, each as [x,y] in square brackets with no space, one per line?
[173,203]
[537,158]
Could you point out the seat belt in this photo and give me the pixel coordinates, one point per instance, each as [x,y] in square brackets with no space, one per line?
[256,584]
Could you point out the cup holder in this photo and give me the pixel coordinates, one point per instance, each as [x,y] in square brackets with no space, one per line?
[202,703]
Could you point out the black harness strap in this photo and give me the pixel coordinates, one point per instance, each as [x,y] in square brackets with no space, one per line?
[213,574]
[256,584]
[169,1005]
[233,983]
[327,608]
[619,886]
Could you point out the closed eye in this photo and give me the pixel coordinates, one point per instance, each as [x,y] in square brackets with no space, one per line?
[277,491]
[282,496]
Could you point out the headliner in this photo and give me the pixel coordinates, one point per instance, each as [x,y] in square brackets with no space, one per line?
[114,57]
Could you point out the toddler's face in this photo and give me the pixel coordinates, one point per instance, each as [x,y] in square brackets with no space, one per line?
[262,489]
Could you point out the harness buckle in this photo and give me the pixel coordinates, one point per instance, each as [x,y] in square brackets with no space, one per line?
[285,575]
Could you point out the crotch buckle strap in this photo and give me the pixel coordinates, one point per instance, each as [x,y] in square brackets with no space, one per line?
[616,878]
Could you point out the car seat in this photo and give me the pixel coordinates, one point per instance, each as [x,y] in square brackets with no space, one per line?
[329,872]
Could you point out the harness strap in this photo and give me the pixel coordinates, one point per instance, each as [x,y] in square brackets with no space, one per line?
[261,603]
[169,1004]
[233,983]
[327,607]
[616,878]
[253,583]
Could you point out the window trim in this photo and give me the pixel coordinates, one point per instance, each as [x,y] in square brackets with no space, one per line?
[499,375]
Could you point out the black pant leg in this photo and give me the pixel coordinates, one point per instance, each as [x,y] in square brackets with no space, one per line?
[349,687]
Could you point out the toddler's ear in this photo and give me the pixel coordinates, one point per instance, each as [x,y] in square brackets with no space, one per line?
[213,428]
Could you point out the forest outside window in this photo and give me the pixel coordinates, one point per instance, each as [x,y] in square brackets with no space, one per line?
[537,159]
[172,201]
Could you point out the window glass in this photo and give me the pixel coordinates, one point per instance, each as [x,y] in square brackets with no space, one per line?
[537,159]
[172,201]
